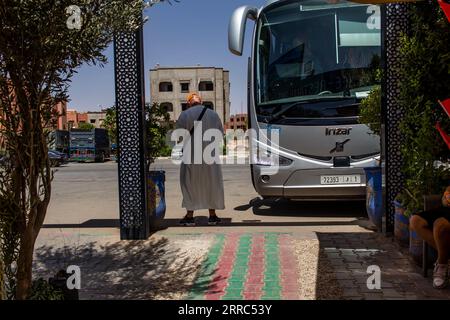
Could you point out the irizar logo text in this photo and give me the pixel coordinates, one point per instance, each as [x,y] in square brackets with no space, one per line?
[338,131]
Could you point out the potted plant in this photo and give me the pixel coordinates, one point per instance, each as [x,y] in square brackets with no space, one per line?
[158,125]
[370,114]
[374,196]
[425,79]
[401,221]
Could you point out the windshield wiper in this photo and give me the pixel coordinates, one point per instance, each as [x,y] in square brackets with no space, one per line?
[276,116]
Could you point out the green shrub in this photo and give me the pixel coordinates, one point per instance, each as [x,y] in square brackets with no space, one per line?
[42,290]
[370,111]
[86,126]
[158,125]
[424,78]
[165,151]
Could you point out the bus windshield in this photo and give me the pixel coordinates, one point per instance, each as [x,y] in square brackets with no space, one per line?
[81,139]
[314,51]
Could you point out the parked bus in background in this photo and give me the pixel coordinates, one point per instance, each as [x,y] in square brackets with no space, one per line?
[312,63]
[89,145]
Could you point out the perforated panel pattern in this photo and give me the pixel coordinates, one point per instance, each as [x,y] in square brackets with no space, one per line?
[396,22]
[129,91]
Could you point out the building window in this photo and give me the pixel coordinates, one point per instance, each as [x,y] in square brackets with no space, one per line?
[165,87]
[93,121]
[167,106]
[184,106]
[209,105]
[206,86]
[184,87]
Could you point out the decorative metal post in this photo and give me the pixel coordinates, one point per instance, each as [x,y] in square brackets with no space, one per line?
[130,102]
[395,22]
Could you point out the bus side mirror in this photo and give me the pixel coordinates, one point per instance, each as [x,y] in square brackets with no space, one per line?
[236,28]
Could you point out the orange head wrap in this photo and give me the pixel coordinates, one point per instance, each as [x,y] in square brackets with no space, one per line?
[191,97]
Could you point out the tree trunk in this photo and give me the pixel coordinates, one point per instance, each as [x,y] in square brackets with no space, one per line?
[25,264]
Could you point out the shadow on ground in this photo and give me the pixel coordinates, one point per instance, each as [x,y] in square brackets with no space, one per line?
[150,269]
[92,223]
[202,221]
[293,208]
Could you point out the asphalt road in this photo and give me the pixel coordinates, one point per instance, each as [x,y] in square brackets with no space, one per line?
[86,195]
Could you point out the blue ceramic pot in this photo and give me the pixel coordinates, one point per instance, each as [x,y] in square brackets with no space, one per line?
[401,225]
[158,178]
[374,196]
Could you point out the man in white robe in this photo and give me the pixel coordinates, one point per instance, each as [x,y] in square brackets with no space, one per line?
[201,178]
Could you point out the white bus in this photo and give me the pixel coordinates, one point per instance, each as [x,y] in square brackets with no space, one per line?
[312,63]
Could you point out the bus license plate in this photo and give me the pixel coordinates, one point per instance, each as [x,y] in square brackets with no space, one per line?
[341,179]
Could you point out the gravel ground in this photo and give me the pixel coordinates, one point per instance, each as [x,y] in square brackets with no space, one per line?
[163,267]
[317,278]
[159,268]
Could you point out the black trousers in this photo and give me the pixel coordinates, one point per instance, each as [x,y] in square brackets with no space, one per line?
[432,215]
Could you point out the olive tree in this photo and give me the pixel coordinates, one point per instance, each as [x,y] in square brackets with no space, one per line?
[42,43]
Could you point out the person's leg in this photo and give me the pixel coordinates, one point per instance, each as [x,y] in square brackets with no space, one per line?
[423,229]
[441,232]
[213,218]
[212,213]
[188,219]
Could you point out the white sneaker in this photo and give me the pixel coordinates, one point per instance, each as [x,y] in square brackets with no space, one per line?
[440,274]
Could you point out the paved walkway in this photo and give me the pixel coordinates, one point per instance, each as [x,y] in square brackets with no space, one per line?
[233,264]
[249,266]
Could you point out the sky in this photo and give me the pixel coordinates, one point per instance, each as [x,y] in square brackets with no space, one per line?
[187,33]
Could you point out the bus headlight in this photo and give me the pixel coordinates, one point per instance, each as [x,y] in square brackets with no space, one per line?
[266,158]
[284,162]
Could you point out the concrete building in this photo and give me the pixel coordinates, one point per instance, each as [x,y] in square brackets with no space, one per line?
[61,115]
[170,86]
[74,118]
[96,118]
[238,121]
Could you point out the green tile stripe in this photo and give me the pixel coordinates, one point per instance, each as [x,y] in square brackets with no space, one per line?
[208,267]
[238,275]
[272,285]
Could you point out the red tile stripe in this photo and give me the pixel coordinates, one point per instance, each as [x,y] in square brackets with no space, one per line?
[224,267]
[290,284]
[255,276]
